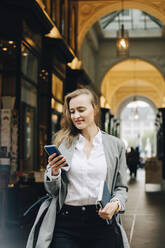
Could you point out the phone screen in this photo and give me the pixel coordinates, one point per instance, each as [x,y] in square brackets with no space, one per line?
[50,149]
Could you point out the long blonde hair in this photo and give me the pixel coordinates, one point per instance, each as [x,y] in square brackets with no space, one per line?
[68,131]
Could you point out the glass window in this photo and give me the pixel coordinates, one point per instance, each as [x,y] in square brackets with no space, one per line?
[29,111]
[126,12]
[57,87]
[28,93]
[56,105]
[29,64]
[0,87]
[29,138]
[55,124]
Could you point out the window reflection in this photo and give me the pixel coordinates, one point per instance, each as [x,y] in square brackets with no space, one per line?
[0,88]
[56,117]
[28,93]
[57,87]
[28,130]
[56,105]
[29,63]
[29,138]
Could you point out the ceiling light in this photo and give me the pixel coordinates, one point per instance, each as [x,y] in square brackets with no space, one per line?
[10,41]
[122,43]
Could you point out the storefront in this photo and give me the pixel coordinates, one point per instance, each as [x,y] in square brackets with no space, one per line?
[32,82]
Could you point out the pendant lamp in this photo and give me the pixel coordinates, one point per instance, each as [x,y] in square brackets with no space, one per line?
[122,42]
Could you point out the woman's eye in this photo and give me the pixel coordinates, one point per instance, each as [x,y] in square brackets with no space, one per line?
[81,110]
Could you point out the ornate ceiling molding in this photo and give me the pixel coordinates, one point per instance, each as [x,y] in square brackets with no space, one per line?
[91,11]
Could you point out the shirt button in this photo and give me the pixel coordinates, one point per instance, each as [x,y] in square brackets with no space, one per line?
[83,208]
[66,212]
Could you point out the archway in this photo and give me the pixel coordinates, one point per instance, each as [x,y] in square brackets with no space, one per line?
[90,12]
[133,77]
[137,125]
[124,103]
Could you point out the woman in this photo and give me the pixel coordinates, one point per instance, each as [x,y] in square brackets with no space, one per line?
[71,219]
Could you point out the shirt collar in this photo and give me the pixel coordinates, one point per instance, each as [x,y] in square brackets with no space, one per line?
[97,140]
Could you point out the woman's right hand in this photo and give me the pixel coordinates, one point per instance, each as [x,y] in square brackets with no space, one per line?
[56,162]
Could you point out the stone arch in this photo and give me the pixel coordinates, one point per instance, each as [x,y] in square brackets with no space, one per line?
[151,61]
[131,99]
[90,12]
[147,83]
[119,84]
[140,94]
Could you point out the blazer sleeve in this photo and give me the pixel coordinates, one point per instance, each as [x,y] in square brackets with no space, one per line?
[120,191]
[52,186]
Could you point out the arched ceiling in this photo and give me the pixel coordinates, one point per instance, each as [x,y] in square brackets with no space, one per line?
[133,77]
[91,11]
[131,99]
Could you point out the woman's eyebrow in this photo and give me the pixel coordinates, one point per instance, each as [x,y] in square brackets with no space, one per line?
[77,107]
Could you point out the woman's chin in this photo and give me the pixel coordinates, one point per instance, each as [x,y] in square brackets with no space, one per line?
[80,127]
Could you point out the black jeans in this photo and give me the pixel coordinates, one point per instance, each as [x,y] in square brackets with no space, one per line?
[82,227]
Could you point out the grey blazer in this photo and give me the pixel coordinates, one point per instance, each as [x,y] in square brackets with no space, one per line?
[116,180]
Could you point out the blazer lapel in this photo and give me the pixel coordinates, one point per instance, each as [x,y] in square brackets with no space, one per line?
[110,159]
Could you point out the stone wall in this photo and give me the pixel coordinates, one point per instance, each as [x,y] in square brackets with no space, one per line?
[150,50]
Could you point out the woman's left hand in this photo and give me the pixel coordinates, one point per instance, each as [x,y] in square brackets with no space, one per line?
[109,210]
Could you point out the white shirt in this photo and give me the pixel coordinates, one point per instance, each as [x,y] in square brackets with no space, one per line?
[85,174]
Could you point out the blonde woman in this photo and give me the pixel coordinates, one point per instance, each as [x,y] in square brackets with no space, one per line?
[71,219]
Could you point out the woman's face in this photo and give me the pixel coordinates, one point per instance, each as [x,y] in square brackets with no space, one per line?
[82,112]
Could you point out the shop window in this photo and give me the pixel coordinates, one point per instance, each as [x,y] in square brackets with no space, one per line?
[57,88]
[29,140]
[56,117]
[28,122]
[56,105]
[28,93]
[29,64]
[0,88]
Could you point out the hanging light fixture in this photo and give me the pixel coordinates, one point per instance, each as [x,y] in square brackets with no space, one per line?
[122,42]
[136,111]
[136,114]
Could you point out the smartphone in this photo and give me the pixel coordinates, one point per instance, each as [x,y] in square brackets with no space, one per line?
[50,149]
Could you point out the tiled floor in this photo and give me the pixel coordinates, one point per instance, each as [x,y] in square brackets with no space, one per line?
[144,220]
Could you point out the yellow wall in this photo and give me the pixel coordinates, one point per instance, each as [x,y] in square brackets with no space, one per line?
[133,77]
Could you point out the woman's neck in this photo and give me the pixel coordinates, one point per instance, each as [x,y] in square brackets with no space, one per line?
[90,133]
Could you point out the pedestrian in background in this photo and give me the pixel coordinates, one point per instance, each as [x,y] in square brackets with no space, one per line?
[132,162]
[71,219]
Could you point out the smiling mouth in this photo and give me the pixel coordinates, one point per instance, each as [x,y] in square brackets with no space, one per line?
[78,122]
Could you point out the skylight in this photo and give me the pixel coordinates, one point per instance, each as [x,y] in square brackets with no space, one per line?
[138,23]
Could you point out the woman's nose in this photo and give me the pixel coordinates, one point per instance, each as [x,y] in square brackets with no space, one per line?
[76,114]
